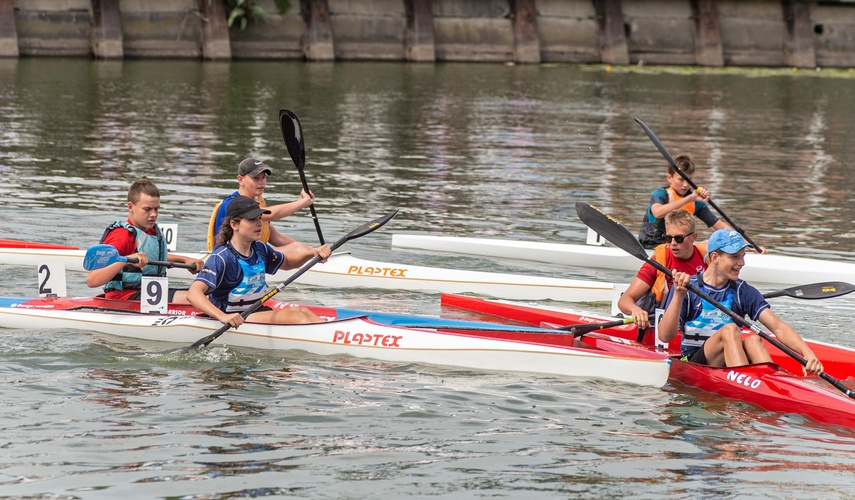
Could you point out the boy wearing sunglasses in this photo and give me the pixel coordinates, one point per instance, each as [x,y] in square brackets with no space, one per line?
[678,195]
[650,287]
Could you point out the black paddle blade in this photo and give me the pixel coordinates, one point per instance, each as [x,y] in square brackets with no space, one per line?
[814,291]
[366,228]
[610,229]
[292,133]
[665,153]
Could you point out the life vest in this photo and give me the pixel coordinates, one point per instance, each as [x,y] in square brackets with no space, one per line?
[154,247]
[219,214]
[709,320]
[253,285]
[673,196]
[658,294]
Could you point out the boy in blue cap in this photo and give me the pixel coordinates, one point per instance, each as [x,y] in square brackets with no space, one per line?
[710,336]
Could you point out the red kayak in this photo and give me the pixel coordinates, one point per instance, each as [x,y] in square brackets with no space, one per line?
[777,386]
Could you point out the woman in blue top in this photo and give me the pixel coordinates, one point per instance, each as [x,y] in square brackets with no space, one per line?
[710,336]
[234,274]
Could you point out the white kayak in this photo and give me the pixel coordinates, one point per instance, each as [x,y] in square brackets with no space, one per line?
[772,269]
[343,270]
[386,337]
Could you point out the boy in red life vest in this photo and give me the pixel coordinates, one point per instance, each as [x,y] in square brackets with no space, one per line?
[678,195]
[649,289]
[138,237]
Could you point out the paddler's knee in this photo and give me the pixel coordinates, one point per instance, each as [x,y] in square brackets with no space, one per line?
[753,342]
[730,333]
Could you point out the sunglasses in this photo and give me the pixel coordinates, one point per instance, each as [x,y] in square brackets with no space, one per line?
[677,237]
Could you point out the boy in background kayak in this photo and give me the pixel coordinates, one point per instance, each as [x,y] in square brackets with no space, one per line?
[233,278]
[252,179]
[710,336]
[139,237]
[678,195]
[649,289]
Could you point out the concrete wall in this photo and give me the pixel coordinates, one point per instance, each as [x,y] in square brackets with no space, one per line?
[681,32]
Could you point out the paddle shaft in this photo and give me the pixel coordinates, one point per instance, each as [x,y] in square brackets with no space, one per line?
[579,330]
[134,260]
[620,236]
[673,164]
[292,133]
[356,233]
[574,330]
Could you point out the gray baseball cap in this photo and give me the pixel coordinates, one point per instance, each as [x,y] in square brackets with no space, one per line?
[253,167]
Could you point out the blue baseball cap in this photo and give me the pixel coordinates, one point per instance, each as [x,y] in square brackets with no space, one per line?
[726,240]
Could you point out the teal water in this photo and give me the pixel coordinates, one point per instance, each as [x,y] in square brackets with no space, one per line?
[460,149]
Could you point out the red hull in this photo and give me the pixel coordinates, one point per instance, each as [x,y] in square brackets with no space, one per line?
[768,385]
[771,388]
[33,244]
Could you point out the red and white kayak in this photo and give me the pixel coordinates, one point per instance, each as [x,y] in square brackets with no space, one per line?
[387,337]
[777,386]
[342,270]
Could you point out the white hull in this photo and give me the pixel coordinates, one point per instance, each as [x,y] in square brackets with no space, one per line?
[357,337]
[772,269]
[345,271]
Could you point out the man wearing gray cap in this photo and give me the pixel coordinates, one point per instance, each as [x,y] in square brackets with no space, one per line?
[252,179]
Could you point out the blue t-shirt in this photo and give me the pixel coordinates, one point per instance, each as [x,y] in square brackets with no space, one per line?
[699,319]
[224,272]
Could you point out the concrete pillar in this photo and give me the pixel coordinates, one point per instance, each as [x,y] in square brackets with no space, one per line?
[318,41]
[216,43]
[421,46]
[106,37]
[526,37]
[799,47]
[8,31]
[613,46]
[709,50]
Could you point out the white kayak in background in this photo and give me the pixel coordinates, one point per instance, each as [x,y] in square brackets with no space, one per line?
[773,269]
[342,270]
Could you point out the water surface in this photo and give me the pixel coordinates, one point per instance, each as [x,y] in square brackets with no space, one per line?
[461,149]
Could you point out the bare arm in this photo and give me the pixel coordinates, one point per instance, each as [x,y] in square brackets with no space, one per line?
[197,298]
[285,209]
[627,303]
[791,339]
[669,325]
[278,239]
[186,260]
[296,254]
[100,277]
[660,210]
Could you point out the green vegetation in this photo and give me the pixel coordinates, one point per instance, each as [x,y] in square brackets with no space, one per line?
[241,12]
[726,70]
